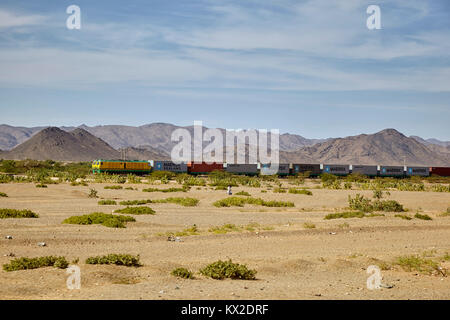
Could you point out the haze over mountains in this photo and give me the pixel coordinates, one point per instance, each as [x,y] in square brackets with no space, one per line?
[153,141]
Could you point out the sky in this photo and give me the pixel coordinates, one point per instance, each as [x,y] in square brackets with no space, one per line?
[309,67]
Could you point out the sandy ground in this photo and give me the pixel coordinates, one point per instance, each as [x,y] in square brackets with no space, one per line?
[292,262]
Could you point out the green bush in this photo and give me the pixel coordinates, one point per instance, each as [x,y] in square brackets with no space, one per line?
[182,273]
[300,191]
[224,229]
[360,203]
[192,231]
[403,216]
[309,225]
[183,189]
[185,202]
[93,193]
[14,213]
[40,185]
[417,263]
[347,214]
[4,195]
[107,220]
[279,190]
[243,193]
[388,206]
[227,269]
[422,216]
[117,259]
[107,202]
[114,187]
[240,202]
[136,210]
[34,263]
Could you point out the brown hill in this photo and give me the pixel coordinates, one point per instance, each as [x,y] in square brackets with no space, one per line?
[388,147]
[56,144]
[144,153]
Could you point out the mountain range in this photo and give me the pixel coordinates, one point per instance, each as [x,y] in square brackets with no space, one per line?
[153,141]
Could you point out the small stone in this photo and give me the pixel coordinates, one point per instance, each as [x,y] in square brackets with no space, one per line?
[161,292]
[333,233]
[8,237]
[318,294]
[177,288]
[387,286]
[245,287]
[42,244]
[178,239]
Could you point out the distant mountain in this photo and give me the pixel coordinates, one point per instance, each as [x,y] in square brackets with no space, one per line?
[56,144]
[432,141]
[147,153]
[388,147]
[156,135]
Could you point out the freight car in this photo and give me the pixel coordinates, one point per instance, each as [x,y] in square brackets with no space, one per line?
[168,166]
[418,171]
[247,169]
[391,171]
[370,171]
[203,167]
[121,166]
[440,171]
[336,169]
[283,169]
[313,169]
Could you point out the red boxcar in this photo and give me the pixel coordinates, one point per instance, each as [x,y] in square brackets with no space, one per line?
[203,167]
[440,171]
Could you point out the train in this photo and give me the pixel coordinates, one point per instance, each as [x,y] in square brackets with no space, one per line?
[284,169]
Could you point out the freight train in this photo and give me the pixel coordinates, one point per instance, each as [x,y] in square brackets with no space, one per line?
[286,169]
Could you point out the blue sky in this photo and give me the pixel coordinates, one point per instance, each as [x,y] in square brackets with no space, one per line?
[305,67]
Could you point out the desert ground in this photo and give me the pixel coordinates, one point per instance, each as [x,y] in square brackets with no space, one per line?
[291,260]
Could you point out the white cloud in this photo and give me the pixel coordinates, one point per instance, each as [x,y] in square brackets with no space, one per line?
[9,19]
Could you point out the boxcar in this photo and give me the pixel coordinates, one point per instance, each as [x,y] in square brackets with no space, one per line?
[168,166]
[248,169]
[203,167]
[121,166]
[440,171]
[313,169]
[418,171]
[337,169]
[370,171]
[283,169]
[391,171]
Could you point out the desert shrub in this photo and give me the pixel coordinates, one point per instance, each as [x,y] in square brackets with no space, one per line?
[347,185]
[327,177]
[183,189]
[279,190]
[4,178]
[300,191]
[182,273]
[162,175]
[117,259]
[243,193]
[309,225]
[377,194]
[417,263]
[388,206]
[240,202]
[34,263]
[263,191]
[346,214]
[224,228]
[132,178]
[422,216]
[446,213]
[14,213]
[114,187]
[191,231]
[134,202]
[136,210]
[403,216]
[40,185]
[93,193]
[357,177]
[107,202]
[185,202]
[3,195]
[227,269]
[107,220]
[441,188]
[360,203]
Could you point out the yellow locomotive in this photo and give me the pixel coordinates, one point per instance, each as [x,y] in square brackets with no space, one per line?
[121,166]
